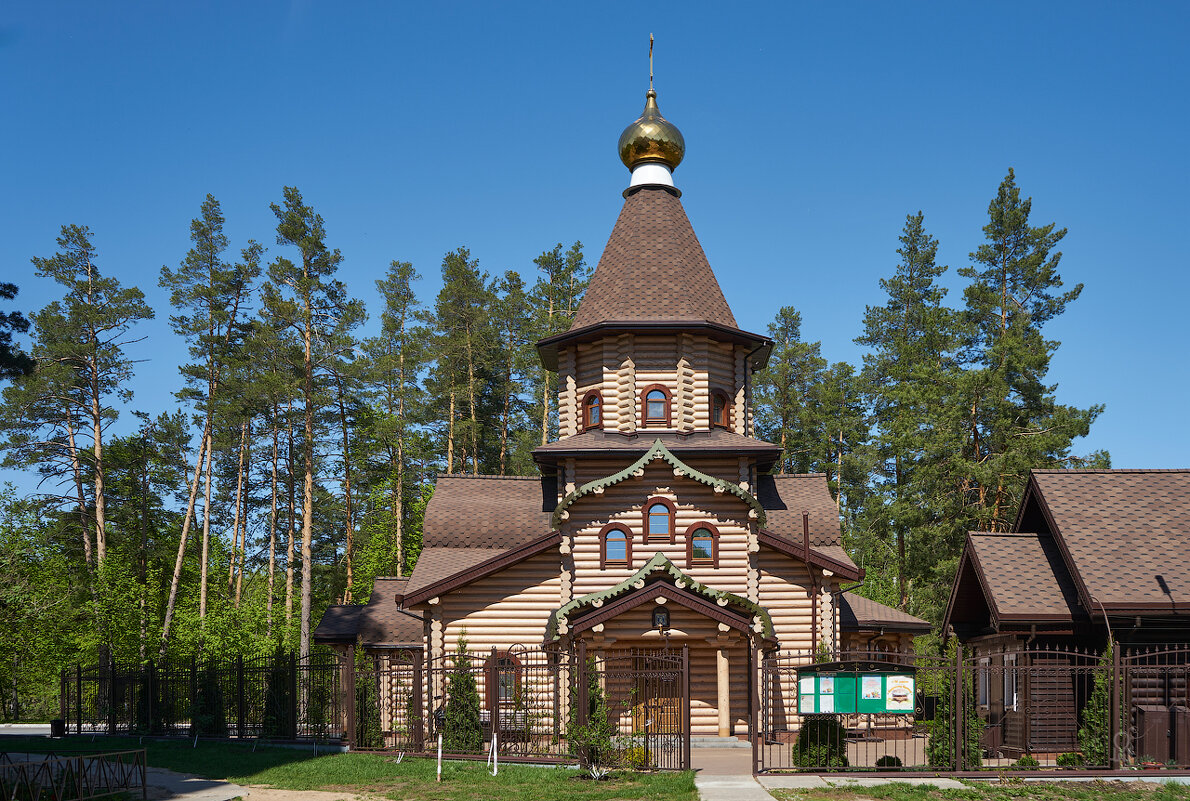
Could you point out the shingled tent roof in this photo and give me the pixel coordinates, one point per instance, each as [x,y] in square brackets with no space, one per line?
[1124,534]
[653,268]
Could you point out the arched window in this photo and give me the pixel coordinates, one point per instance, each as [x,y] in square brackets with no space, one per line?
[655,406]
[592,410]
[659,520]
[702,545]
[615,546]
[720,410]
[507,680]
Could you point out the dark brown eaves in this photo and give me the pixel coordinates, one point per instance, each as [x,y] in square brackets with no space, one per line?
[841,569]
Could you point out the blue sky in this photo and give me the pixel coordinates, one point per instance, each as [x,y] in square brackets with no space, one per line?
[811,130]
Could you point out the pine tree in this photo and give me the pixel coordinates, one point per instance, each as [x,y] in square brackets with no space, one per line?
[211,299]
[1011,420]
[306,298]
[57,417]
[909,372]
[465,345]
[395,367]
[14,362]
[555,299]
[783,392]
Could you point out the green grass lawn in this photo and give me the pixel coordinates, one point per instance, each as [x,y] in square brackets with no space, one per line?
[993,791]
[299,769]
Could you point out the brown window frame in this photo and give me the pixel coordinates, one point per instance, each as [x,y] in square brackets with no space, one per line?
[585,409]
[673,513]
[604,562]
[488,690]
[725,420]
[714,560]
[644,406]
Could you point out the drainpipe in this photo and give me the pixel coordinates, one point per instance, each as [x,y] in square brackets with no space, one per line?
[813,582]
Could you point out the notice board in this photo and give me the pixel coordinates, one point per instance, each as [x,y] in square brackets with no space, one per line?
[848,688]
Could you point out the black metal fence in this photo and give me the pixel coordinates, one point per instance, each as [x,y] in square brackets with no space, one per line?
[77,777]
[1028,708]
[278,697]
[608,708]
[612,708]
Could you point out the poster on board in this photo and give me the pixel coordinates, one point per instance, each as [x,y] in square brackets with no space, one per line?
[899,693]
[826,685]
[871,688]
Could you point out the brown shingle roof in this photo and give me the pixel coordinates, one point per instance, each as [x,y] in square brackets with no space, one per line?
[379,623]
[716,439]
[487,511]
[857,613]
[785,496]
[653,268]
[1126,533]
[1023,576]
[438,563]
[339,624]
[383,622]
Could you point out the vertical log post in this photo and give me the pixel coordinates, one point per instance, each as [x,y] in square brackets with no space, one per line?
[960,706]
[583,710]
[685,706]
[1113,725]
[754,713]
[419,722]
[493,693]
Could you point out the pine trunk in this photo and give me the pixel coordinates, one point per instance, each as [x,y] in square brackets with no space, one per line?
[170,604]
[273,527]
[206,541]
[346,488]
[307,492]
[235,524]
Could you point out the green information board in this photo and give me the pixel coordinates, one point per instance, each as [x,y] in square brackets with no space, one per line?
[846,688]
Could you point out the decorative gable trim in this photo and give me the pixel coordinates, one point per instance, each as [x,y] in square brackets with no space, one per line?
[820,560]
[661,566]
[680,468]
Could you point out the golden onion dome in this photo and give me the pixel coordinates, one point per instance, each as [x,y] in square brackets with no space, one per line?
[652,138]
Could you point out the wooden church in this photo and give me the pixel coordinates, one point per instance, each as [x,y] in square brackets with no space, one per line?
[655,521]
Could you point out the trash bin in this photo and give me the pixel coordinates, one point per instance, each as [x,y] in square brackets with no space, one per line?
[57,727]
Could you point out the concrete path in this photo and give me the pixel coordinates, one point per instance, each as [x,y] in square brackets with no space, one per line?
[165,784]
[804,781]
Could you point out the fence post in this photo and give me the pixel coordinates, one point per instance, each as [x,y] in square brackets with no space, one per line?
[293,696]
[419,723]
[111,695]
[960,708]
[150,694]
[755,675]
[62,694]
[193,690]
[241,702]
[78,695]
[582,684]
[348,686]
[1113,726]
[685,705]
[493,694]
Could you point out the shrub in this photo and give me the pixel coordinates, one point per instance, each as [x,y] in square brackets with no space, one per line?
[888,761]
[462,732]
[206,714]
[591,743]
[821,743]
[1094,733]
[1025,762]
[1071,759]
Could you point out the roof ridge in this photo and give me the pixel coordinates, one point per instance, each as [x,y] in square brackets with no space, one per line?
[1092,470]
[489,476]
[1009,534]
[796,475]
